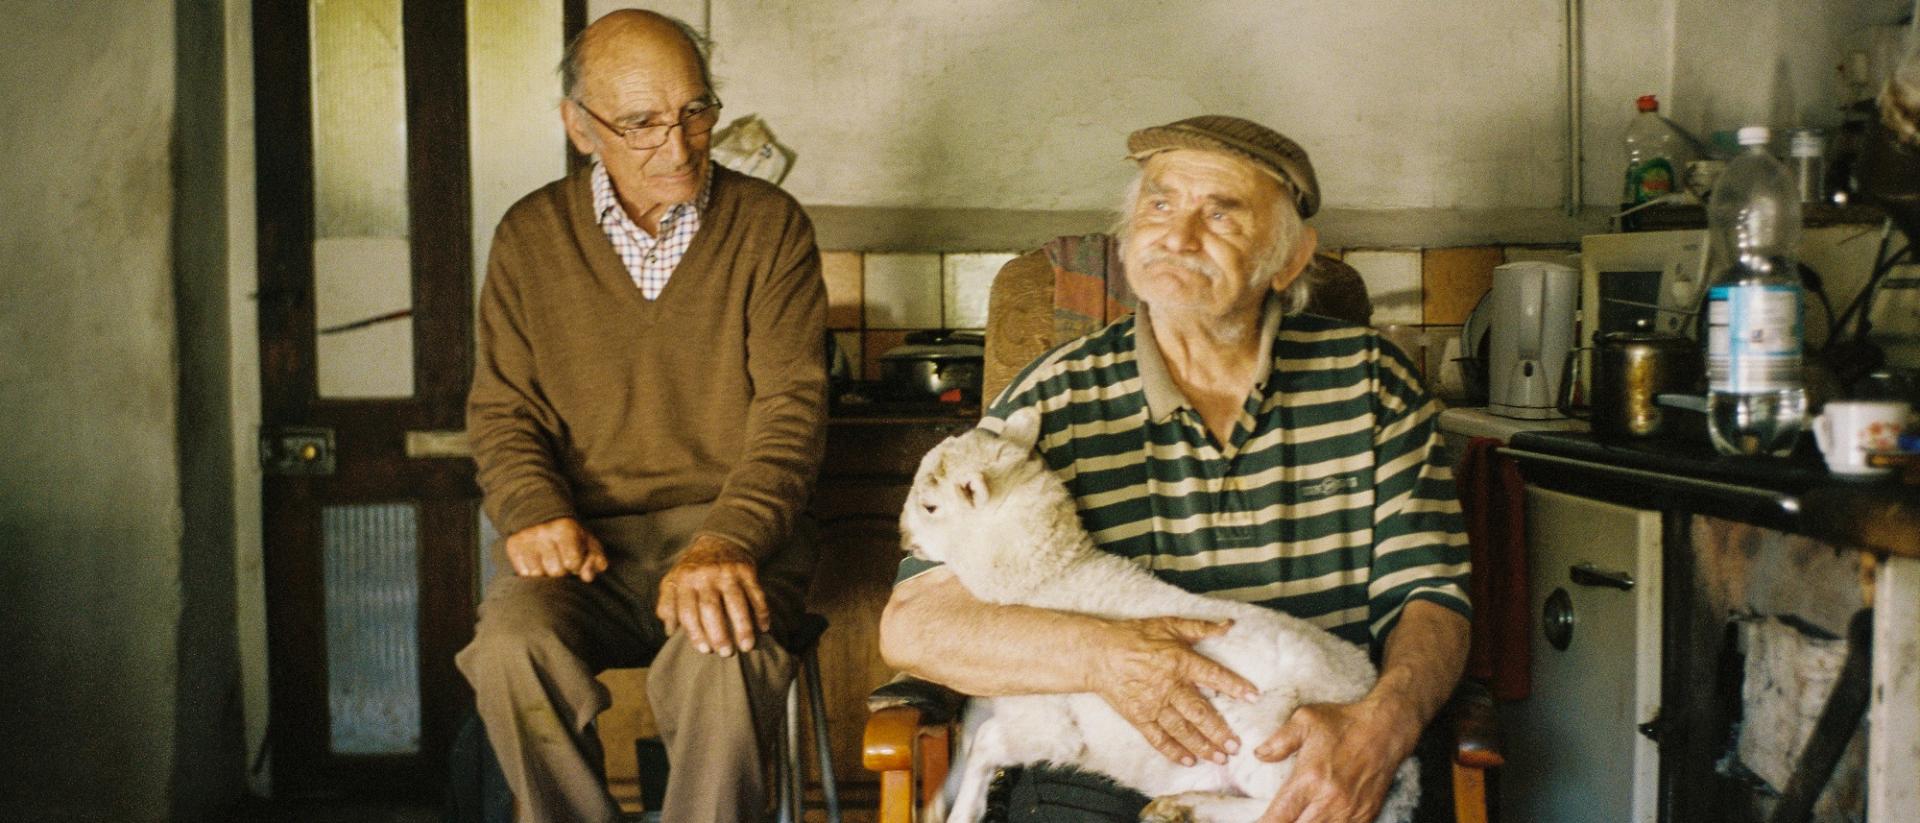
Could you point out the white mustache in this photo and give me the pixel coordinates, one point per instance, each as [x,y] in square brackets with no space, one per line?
[1191,262]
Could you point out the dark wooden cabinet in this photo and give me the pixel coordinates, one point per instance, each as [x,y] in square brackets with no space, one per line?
[863,483]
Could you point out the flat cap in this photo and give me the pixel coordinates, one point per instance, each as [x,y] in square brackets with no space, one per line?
[1269,150]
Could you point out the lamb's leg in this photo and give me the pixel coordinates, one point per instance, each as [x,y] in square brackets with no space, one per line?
[1203,807]
[987,751]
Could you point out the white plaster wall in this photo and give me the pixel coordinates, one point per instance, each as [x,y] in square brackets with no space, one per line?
[1015,104]
[89,494]
[1022,105]
[1766,62]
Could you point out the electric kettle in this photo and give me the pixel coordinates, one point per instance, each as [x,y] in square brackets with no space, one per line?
[1529,332]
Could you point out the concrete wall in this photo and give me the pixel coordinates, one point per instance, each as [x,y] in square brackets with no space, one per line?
[1018,105]
[209,748]
[107,582]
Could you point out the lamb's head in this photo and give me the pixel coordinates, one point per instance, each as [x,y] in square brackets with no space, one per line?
[964,484]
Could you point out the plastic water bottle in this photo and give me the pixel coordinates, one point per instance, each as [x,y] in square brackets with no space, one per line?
[1755,401]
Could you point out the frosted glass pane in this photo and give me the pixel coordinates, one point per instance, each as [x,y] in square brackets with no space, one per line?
[372,558]
[359,119]
[515,141]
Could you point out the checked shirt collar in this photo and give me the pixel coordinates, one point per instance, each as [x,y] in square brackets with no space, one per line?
[650,259]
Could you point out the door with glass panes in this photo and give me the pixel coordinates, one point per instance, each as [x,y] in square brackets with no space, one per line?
[390,136]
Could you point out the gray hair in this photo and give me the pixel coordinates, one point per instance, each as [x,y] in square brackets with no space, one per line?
[570,58]
[1288,228]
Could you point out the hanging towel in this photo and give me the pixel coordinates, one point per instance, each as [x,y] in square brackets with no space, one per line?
[1493,500]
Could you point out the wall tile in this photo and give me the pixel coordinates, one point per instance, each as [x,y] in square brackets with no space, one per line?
[844,298]
[902,291]
[1393,281]
[876,343]
[1452,281]
[967,278]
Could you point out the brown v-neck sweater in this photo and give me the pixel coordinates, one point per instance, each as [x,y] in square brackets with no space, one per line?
[590,400]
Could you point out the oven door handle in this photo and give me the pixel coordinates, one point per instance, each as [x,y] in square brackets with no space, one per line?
[1586,574]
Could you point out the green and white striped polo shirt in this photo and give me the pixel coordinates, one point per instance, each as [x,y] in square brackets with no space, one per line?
[1332,502]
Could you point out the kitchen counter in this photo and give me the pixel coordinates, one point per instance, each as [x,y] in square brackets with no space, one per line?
[1795,494]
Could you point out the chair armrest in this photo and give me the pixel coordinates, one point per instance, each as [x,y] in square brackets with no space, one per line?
[888,743]
[934,702]
[908,743]
[1476,727]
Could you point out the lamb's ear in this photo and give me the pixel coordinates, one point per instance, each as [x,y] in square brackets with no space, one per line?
[972,487]
[1022,429]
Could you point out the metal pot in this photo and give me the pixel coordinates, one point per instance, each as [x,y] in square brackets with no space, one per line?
[935,365]
[1630,370]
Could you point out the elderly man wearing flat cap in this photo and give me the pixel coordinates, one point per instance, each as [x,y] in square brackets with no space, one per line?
[1237,447]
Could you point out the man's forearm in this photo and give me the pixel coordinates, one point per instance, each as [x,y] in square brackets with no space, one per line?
[785,437]
[935,630]
[1425,655]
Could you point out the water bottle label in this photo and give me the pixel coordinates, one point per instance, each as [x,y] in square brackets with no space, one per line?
[1753,338]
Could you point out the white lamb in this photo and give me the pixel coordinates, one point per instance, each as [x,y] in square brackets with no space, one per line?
[989,509]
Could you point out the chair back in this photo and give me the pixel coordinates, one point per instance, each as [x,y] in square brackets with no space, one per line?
[1075,285]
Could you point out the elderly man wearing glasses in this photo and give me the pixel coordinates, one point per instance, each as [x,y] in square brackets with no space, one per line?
[646,413]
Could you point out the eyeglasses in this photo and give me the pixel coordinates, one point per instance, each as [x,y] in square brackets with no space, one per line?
[695,120]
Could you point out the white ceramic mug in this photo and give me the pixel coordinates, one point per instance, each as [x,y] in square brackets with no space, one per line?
[1847,429]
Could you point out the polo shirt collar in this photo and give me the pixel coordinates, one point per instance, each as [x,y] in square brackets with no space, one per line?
[1163,395]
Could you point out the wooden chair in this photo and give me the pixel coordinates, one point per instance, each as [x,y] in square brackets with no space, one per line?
[1067,288]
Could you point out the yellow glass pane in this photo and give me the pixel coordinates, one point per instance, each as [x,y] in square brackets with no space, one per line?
[363,281]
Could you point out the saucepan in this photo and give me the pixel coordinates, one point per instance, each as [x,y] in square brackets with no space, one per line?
[938,364]
[1630,370]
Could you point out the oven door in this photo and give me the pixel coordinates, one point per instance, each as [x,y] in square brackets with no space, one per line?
[1575,753]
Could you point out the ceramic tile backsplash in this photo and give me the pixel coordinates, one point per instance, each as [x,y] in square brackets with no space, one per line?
[1393,281]
[842,270]
[966,279]
[1452,281]
[903,291]
[1420,295]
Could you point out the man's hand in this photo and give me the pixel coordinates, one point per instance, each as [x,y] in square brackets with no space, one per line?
[1348,753]
[1151,675]
[713,591]
[556,548]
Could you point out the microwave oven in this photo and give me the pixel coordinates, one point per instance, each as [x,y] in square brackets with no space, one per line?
[1656,281]
[1643,281]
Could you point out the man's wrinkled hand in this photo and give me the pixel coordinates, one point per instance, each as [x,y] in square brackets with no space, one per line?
[556,548]
[713,592]
[1151,675]
[1347,754]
